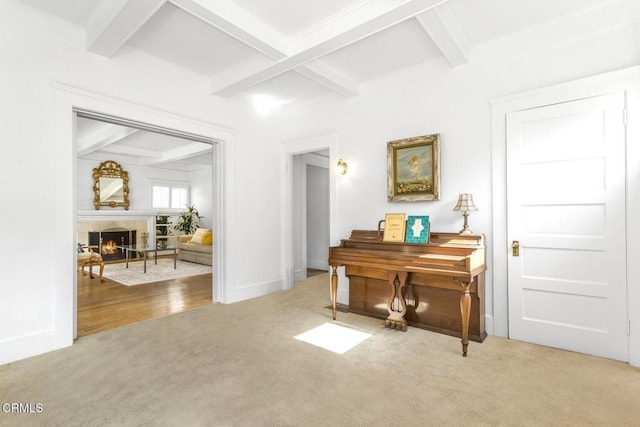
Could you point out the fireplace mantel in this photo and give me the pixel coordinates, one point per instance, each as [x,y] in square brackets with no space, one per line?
[111,215]
[138,223]
[143,222]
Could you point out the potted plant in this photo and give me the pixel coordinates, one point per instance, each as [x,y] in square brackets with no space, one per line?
[188,221]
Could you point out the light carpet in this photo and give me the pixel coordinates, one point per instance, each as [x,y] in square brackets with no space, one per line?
[134,275]
[241,365]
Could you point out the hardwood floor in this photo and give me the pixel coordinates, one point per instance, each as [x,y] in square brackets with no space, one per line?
[105,304]
[314,272]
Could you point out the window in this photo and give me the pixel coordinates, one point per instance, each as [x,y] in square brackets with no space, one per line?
[169,195]
[179,197]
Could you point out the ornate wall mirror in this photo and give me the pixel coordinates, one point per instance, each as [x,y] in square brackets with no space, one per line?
[110,185]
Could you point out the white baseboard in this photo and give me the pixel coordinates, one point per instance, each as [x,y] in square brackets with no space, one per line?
[488,324]
[299,275]
[28,346]
[256,290]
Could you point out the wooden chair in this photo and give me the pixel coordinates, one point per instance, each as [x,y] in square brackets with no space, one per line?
[89,258]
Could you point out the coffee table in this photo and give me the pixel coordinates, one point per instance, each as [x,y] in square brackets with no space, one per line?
[146,249]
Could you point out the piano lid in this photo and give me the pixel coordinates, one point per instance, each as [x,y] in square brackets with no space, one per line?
[435,239]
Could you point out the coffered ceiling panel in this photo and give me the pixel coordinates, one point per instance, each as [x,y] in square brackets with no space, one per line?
[99,141]
[292,17]
[489,19]
[288,87]
[398,47]
[189,42]
[77,12]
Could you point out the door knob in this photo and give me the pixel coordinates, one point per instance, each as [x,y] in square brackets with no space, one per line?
[515,248]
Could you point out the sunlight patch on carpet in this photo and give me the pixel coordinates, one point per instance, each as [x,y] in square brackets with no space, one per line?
[164,270]
[332,337]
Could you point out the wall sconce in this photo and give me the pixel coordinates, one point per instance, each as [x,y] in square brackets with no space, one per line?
[342,167]
[465,205]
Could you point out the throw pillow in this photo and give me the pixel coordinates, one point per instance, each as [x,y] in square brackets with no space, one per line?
[208,238]
[199,235]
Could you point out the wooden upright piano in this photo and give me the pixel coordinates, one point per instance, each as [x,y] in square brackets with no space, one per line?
[437,286]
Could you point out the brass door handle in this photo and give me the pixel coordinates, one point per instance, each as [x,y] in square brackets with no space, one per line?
[515,248]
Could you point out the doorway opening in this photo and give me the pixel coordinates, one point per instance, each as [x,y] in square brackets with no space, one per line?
[319,152]
[150,154]
[67,101]
[311,213]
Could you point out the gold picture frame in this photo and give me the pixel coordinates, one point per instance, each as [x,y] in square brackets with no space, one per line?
[413,169]
[110,185]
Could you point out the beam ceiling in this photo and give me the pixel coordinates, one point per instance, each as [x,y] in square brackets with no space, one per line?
[124,17]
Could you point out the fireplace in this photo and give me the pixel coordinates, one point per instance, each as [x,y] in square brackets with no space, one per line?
[108,240]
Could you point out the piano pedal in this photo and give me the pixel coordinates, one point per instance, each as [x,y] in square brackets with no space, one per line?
[393,324]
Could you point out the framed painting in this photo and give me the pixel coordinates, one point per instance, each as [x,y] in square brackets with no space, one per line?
[413,169]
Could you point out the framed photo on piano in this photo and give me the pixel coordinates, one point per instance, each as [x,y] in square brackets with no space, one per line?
[417,229]
[413,169]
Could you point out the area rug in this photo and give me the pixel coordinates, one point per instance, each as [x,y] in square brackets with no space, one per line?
[134,275]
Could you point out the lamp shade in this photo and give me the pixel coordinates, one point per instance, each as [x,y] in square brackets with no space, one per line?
[465,203]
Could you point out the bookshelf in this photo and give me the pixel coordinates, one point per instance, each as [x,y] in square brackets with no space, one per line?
[164,235]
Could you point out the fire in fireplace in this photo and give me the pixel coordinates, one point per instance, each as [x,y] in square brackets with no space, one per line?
[109,247]
[109,240]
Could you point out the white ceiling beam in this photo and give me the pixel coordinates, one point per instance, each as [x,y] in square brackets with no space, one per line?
[125,150]
[97,143]
[106,37]
[105,12]
[180,153]
[330,78]
[236,22]
[235,72]
[443,28]
[360,13]
[348,30]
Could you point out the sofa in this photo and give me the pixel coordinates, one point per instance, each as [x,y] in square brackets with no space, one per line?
[197,247]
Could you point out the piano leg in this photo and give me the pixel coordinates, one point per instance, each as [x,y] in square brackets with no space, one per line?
[465,311]
[334,291]
[396,318]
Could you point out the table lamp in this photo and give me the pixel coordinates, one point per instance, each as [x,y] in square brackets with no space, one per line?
[465,205]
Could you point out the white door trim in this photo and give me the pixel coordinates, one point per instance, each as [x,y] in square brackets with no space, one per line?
[67,99]
[628,78]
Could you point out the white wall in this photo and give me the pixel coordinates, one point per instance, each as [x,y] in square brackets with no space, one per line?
[38,52]
[140,179]
[200,186]
[38,173]
[255,198]
[455,103]
[139,188]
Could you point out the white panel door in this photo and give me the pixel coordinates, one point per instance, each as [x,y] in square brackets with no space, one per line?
[566,209]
